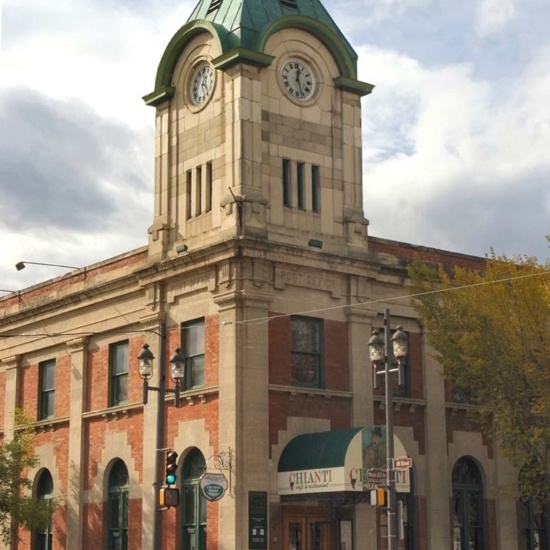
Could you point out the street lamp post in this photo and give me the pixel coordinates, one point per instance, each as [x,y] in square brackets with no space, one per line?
[381,353]
[177,373]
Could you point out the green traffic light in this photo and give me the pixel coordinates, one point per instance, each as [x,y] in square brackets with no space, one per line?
[171,479]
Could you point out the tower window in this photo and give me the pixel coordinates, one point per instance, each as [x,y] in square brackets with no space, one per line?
[286,183]
[188,187]
[300,180]
[198,191]
[208,197]
[315,188]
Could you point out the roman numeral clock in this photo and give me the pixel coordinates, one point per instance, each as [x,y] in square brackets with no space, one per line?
[298,80]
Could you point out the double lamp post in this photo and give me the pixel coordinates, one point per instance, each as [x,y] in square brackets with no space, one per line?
[177,374]
[384,352]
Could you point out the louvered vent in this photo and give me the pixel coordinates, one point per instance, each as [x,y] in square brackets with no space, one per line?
[214,5]
[289,4]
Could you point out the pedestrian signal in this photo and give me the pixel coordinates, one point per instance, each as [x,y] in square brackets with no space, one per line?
[378,497]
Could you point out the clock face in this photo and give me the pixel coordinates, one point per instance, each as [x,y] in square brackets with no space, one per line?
[297,79]
[202,83]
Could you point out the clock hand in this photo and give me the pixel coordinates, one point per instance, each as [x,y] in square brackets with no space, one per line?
[298,73]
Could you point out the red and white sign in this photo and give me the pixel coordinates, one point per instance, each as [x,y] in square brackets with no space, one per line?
[403,463]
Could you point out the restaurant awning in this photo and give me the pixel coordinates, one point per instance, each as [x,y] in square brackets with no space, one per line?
[343,460]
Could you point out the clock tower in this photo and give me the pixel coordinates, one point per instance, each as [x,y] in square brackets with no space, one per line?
[258,130]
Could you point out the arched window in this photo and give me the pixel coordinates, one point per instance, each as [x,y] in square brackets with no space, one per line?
[117,507]
[535,526]
[193,506]
[467,506]
[44,491]
[533,511]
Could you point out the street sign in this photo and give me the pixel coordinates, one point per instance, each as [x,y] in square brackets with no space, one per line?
[403,463]
[213,486]
[376,475]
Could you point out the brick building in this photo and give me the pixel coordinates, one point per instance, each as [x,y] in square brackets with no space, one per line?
[260,269]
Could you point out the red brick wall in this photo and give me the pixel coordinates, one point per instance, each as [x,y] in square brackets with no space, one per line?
[59,532]
[95,526]
[335,371]
[95,429]
[279,350]
[412,252]
[462,420]
[336,356]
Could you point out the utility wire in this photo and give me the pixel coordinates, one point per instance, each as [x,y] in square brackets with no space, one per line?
[261,320]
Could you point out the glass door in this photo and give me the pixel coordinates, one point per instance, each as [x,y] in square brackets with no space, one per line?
[306,533]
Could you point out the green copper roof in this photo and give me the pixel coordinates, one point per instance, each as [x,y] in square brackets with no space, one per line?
[247,20]
[242,29]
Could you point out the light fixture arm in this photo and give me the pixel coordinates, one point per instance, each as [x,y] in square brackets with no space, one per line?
[22,264]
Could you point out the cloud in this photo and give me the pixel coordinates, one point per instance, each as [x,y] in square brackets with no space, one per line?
[76,187]
[56,161]
[493,15]
[452,159]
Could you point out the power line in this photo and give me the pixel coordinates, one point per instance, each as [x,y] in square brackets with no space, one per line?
[261,320]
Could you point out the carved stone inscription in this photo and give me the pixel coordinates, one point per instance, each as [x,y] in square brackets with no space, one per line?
[317,281]
[191,284]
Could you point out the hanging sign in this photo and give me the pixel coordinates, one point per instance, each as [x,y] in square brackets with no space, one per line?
[213,486]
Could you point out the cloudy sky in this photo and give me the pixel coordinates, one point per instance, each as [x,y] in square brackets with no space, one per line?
[456,132]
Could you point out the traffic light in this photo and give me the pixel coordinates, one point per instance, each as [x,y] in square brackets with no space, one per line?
[171,467]
[378,497]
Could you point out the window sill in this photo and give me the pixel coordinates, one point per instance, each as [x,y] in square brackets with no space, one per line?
[400,402]
[309,393]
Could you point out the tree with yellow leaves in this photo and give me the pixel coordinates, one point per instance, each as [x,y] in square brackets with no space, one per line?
[490,330]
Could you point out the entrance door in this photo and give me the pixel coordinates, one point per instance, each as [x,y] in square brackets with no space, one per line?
[307,532]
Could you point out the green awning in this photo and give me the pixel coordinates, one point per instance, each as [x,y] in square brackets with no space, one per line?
[342,460]
[317,450]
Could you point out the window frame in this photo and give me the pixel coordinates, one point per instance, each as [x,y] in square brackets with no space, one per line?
[193,358]
[318,355]
[46,394]
[114,377]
